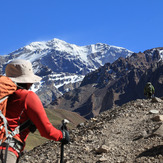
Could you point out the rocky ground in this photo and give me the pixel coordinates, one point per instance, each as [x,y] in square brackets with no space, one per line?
[132,133]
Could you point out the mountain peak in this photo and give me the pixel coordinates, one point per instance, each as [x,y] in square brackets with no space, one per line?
[42,45]
[56,40]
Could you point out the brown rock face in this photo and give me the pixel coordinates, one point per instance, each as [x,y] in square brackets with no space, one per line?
[115,84]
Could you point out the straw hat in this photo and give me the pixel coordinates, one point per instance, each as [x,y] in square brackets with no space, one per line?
[20,71]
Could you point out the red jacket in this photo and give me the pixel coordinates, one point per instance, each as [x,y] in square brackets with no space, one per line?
[28,105]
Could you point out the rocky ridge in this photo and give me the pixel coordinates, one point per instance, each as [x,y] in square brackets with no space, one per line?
[114,84]
[132,133]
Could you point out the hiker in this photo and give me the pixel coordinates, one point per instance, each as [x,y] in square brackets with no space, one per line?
[25,105]
[149,90]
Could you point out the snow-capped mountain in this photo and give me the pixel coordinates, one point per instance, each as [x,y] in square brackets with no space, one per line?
[88,55]
[61,65]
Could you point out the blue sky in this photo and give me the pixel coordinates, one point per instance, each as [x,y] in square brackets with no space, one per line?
[135,25]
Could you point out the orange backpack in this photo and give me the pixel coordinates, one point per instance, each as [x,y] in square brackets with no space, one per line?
[7,87]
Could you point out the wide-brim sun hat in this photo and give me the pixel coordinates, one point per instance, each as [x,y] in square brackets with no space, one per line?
[21,71]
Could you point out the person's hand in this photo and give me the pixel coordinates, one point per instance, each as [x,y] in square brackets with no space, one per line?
[66,138]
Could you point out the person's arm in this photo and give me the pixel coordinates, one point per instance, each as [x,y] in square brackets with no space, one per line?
[37,115]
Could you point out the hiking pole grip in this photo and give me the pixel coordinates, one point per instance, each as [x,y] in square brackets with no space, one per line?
[63,127]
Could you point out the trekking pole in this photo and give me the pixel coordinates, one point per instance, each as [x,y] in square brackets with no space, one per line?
[63,127]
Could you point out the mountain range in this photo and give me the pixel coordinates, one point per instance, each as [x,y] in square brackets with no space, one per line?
[61,65]
[115,84]
[89,79]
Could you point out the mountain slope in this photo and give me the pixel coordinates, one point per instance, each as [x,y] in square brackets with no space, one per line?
[131,133]
[114,84]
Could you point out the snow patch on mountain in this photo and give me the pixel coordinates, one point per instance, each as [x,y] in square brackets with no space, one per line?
[33,56]
[36,46]
[161,54]
[61,79]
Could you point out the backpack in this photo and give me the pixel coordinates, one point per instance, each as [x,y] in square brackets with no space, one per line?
[8,87]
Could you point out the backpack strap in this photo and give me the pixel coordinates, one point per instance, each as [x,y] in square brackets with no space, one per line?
[5,124]
[3,99]
[21,127]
